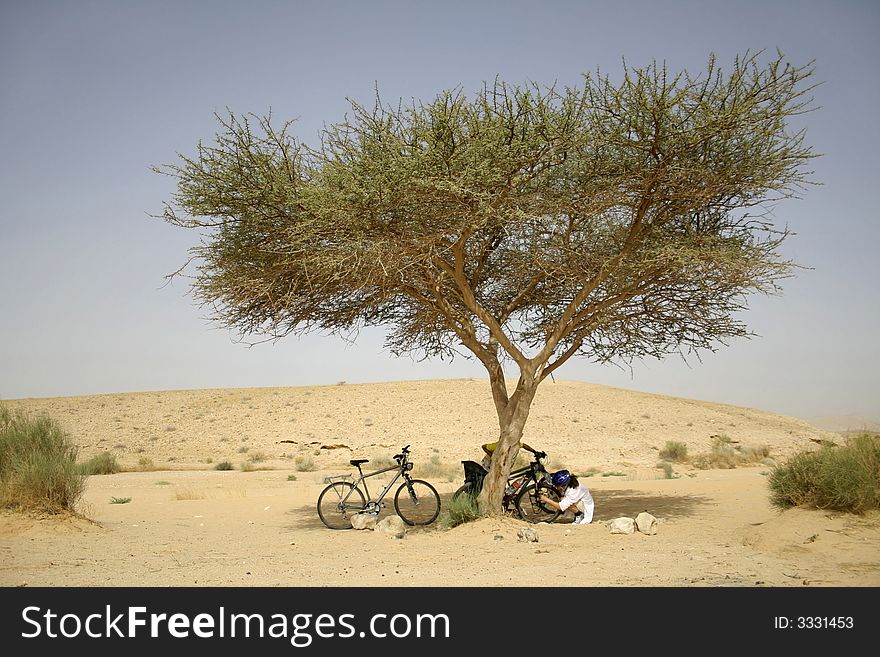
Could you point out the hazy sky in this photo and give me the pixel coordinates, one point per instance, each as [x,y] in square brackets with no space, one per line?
[92,94]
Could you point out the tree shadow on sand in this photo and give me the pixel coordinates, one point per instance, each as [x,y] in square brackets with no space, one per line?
[612,504]
[306,516]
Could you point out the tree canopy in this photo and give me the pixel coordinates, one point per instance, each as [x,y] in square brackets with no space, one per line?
[614,220]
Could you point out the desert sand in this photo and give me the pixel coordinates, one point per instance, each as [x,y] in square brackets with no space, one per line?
[188,524]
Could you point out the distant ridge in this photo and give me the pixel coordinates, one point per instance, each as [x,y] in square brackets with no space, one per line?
[844,423]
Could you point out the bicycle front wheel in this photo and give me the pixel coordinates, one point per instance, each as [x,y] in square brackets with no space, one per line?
[338,503]
[530,507]
[417,502]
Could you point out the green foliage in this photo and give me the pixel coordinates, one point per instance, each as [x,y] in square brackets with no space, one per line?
[224,465]
[843,478]
[674,451]
[37,464]
[668,471]
[460,510]
[120,500]
[101,464]
[605,218]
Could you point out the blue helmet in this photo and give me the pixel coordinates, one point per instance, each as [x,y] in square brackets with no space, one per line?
[560,478]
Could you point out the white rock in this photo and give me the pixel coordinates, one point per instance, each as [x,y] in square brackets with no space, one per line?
[363,521]
[394,526]
[622,526]
[527,534]
[646,523]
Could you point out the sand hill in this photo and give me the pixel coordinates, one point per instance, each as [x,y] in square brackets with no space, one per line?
[579,425]
[173,519]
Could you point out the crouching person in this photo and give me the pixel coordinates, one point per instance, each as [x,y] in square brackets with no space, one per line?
[575,496]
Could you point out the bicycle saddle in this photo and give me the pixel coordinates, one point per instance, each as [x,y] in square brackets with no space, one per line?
[357,462]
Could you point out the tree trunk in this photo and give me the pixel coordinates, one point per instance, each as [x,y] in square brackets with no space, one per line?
[512,418]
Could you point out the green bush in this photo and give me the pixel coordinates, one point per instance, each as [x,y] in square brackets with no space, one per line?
[37,464]
[843,478]
[100,464]
[223,465]
[674,451]
[460,510]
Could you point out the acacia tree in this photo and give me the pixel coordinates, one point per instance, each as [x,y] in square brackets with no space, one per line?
[526,225]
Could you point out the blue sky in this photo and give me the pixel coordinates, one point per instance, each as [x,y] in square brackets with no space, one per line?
[93,94]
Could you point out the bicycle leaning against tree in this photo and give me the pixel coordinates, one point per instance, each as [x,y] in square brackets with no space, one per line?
[415,501]
[524,489]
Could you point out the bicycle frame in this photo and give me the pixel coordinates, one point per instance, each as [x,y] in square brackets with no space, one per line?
[534,471]
[402,469]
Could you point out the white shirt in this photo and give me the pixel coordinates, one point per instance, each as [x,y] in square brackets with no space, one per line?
[581,499]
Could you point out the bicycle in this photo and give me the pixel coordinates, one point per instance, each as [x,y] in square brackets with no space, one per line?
[524,488]
[343,499]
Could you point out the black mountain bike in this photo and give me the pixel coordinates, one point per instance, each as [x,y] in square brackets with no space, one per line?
[524,488]
[415,501]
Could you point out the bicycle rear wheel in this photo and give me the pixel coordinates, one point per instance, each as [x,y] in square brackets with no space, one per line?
[338,503]
[529,506]
[417,502]
[467,489]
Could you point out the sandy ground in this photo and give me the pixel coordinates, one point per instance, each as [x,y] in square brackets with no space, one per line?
[187,524]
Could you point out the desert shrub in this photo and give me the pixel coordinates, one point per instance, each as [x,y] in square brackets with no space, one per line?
[674,451]
[257,457]
[726,455]
[845,478]
[100,464]
[462,509]
[120,500]
[223,465]
[145,464]
[304,464]
[433,468]
[379,461]
[666,466]
[38,467]
[756,454]
[188,494]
